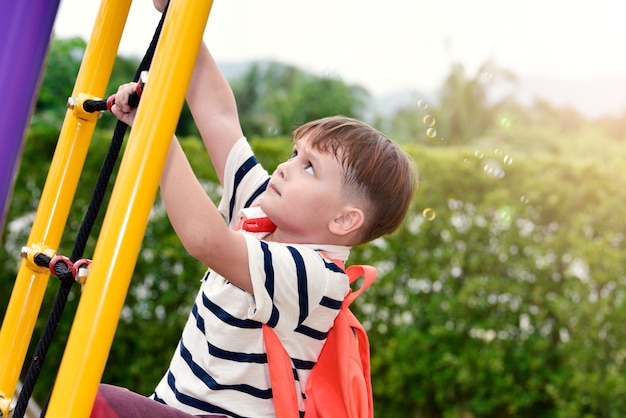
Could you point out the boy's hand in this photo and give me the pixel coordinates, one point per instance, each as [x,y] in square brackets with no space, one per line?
[160,4]
[121,108]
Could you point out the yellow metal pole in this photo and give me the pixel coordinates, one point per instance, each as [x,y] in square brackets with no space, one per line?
[57,196]
[124,224]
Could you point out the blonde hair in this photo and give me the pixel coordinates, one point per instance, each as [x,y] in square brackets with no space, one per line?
[375,169]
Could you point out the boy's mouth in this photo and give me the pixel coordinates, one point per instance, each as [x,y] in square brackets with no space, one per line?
[273,189]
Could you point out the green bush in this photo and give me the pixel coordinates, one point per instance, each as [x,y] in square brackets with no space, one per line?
[501,295]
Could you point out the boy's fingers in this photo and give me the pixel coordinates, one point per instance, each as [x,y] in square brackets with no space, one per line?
[126,98]
[111,102]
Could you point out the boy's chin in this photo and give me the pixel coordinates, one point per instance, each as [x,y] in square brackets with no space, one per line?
[267,207]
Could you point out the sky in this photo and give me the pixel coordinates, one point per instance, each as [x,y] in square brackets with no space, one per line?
[395,45]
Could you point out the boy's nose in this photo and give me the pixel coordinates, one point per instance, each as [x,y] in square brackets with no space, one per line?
[281,170]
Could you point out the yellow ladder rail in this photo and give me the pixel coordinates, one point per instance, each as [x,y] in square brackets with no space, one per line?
[57,195]
[125,221]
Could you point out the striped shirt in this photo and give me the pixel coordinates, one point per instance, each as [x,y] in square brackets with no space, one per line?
[220,365]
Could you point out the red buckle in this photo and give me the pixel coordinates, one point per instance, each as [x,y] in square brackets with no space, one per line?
[83,262]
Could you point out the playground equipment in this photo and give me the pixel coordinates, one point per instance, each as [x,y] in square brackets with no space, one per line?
[24,26]
[133,194]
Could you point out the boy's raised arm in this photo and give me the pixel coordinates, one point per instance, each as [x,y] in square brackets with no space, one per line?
[199,225]
[214,109]
[197,222]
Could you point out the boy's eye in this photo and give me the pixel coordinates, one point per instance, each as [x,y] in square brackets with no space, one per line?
[309,169]
[294,154]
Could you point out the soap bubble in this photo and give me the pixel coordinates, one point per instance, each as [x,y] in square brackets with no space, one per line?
[429,214]
[493,168]
[421,104]
[429,120]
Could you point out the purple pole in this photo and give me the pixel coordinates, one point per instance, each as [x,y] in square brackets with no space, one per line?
[25,28]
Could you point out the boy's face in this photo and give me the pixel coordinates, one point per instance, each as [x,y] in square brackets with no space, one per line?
[304,195]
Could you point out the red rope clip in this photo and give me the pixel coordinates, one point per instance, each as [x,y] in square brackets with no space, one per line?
[58,259]
[83,262]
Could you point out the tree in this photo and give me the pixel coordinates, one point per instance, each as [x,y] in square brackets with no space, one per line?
[273,99]
[465,110]
[62,64]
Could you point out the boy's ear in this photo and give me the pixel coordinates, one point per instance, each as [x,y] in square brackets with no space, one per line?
[349,220]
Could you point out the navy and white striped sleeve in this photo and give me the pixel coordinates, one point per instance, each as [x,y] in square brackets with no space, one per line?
[245,180]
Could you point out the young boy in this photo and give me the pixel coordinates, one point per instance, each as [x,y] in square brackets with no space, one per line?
[344,184]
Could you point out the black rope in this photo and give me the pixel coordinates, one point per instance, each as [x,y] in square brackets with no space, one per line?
[95,106]
[87,224]
[102,105]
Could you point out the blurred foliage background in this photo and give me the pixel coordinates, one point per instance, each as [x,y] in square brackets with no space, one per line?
[502,295]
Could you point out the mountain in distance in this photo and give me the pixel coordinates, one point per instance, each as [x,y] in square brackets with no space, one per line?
[592,98]
[232,70]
